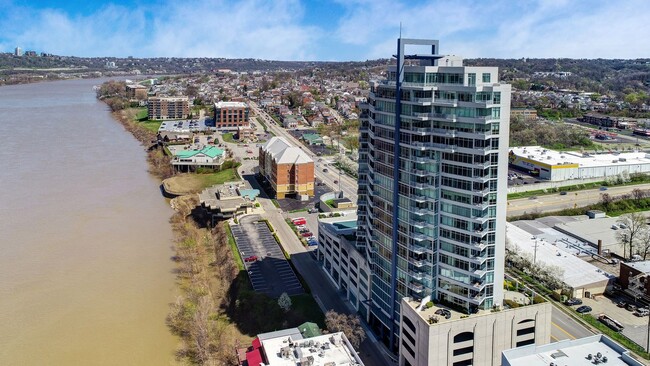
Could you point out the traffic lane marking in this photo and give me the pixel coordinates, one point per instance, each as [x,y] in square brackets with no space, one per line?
[562,330]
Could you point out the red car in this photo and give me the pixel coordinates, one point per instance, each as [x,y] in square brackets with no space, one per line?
[307,234]
[252,258]
[300,221]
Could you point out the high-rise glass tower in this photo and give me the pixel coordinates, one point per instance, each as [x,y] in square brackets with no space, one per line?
[432,188]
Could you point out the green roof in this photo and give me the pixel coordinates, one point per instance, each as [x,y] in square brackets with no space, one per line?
[312,136]
[211,151]
[309,330]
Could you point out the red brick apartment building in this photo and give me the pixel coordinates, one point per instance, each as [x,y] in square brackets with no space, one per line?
[288,169]
[231,115]
[168,107]
[136,91]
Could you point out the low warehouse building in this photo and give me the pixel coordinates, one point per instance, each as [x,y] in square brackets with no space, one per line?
[558,166]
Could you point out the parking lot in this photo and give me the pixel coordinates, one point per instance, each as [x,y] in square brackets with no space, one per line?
[636,328]
[268,269]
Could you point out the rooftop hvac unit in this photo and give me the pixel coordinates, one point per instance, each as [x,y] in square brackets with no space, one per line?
[285,352]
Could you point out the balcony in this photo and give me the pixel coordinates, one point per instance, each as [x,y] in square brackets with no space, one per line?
[446,102]
[478,259]
[420,237]
[417,262]
[416,286]
[418,249]
[483,165]
[418,198]
[421,211]
[423,160]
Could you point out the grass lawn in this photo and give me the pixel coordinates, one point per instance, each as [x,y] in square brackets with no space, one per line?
[188,183]
[141,114]
[152,126]
[306,305]
[228,137]
[233,248]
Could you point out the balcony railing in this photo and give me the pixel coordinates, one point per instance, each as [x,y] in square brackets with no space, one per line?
[417,262]
[416,286]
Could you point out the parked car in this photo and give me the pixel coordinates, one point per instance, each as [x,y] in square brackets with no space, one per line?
[307,234]
[299,221]
[305,230]
[603,188]
[641,312]
[630,307]
[563,193]
[573,301]
[621,304]
[336,182]
[325,170]
[251,258]
[312,210]
[584,309]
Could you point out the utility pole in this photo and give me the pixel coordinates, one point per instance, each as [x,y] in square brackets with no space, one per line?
[535,253]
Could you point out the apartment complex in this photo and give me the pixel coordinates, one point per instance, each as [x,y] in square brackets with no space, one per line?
[432,210]
[288,169]
[231,115]
[168,107]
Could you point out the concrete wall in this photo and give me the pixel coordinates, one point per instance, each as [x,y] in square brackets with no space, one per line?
[547,185]
[491,333]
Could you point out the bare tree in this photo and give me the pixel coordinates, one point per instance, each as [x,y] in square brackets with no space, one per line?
[643,246]
[606,199]
[348,324]
[633,228]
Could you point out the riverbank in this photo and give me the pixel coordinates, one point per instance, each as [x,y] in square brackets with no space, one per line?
[206,273]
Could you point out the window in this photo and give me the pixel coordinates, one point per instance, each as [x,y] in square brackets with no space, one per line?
[462,337]
[471,79]
[486,77]
[464,350]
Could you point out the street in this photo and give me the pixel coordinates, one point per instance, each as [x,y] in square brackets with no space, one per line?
[555,202]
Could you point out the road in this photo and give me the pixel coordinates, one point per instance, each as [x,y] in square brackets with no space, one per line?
[328,298]
[555,202]
[564,327]
[347,184]
[326,295]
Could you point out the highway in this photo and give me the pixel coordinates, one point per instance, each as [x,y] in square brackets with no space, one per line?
[564,327]
[555,202]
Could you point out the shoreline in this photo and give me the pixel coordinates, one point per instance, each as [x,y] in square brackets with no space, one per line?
[205,271]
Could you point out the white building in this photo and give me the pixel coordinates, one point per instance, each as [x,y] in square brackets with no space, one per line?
[582,278]
[345,265]
[566,165]
[588,351]
[288,348]
[429,338]
[18,51]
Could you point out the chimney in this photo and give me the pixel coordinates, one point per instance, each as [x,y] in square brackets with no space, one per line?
[600,247]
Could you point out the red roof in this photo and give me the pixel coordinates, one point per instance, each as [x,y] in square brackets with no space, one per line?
[254,357]
[256,343]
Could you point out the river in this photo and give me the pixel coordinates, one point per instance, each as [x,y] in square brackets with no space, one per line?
[85,274]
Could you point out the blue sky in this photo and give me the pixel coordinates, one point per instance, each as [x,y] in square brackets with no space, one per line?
[337,30]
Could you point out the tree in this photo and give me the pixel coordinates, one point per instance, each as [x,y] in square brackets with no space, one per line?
[643,247]
[606,200]
[638,194]
[348,324]
[634,228]
[284,302]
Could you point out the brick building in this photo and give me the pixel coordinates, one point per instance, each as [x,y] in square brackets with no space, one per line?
[168,107]
[136,91]
[287,168]
[231,115]
[634,279]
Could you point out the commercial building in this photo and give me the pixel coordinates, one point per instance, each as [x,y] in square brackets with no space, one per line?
[288,169]
[231,115]
[291,347]
[227,200]
[429,336]
[601,120]
[136,91]
[432,220]
[344,263]
[168,107]
[18,51]
[198,157]
[565,165]
[586,351]
[634,279]
[582,279]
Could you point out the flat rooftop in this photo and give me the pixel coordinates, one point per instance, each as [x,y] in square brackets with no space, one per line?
[327,349]
[562,253]
[570,352]
[342,224]
[593,230]
[230,105]
[643,266]
[552,157]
